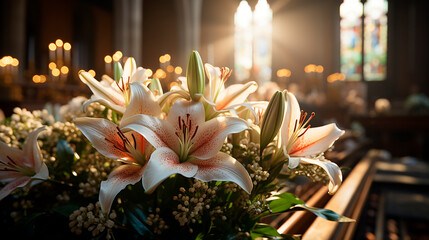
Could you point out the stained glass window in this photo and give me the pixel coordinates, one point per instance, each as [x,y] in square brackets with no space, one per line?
[373,50]
[375,40]
[351,39]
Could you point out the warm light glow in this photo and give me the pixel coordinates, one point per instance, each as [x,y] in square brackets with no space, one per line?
[319,68]
[64,70]
[2,64]
[375,8]
[55,72]
[107,59]
[336,77]
[148,72]
[52,47]
[310,68]
[36,79]
[162,59]
[7,60]
[160,73]
[59,43]
[178,70]
[15,62]
[167,57]
[52,65]
[42,78]
[117,56]
[170,69]
[283,72]
[67,46]
[92,72]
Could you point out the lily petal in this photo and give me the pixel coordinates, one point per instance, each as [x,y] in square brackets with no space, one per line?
[332,169]
[213,74]
[316,140]
[182,108]
[235,94]
[13,153]
[101,91]
[163,163]
[118,179]
[129,69]
[32,151]
[293,162]
[43,174]
[211,135]
[19,182]
[142,102]
[223,167]
[102,133]
[139,75]
[159,133]
[102,101]
[292,115]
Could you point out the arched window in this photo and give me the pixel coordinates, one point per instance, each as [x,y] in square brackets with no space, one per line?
[253,42]
[373,49]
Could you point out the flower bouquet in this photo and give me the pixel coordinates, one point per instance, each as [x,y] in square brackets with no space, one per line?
[197,162]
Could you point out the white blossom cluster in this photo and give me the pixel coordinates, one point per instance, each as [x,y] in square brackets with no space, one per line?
[92,219]
[250,151]
[156,222]
[74,109]
[20,208]
[192,203]
[97,167]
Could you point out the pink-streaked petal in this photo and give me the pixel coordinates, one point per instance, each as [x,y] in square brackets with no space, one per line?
[223,167]
[182,108]
[213,73]
[316,140]
[118,179]
[162,164]
[15,154]
[142,102]
[129,69]
[292,115]
[104,102]
[103,135]
[159,133]
[9,176]
[211,135]
[19,182]
[235,94]
[332,169]
[31,149]
[101,91]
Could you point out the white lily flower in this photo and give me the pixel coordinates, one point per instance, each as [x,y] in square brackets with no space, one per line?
[188,145]
[300,142]
[112,94]
[19,168]
[129,148]
[222,98]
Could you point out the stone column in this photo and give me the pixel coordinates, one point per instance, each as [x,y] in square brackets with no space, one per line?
[128,28]
[189,26]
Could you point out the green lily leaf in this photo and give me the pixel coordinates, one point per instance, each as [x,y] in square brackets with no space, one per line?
[135,216]
[325,213]
[285,202]
[264,230]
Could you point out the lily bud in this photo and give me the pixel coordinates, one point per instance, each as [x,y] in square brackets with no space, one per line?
[155,87]
[272,119]
[117,71]
[195,75]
